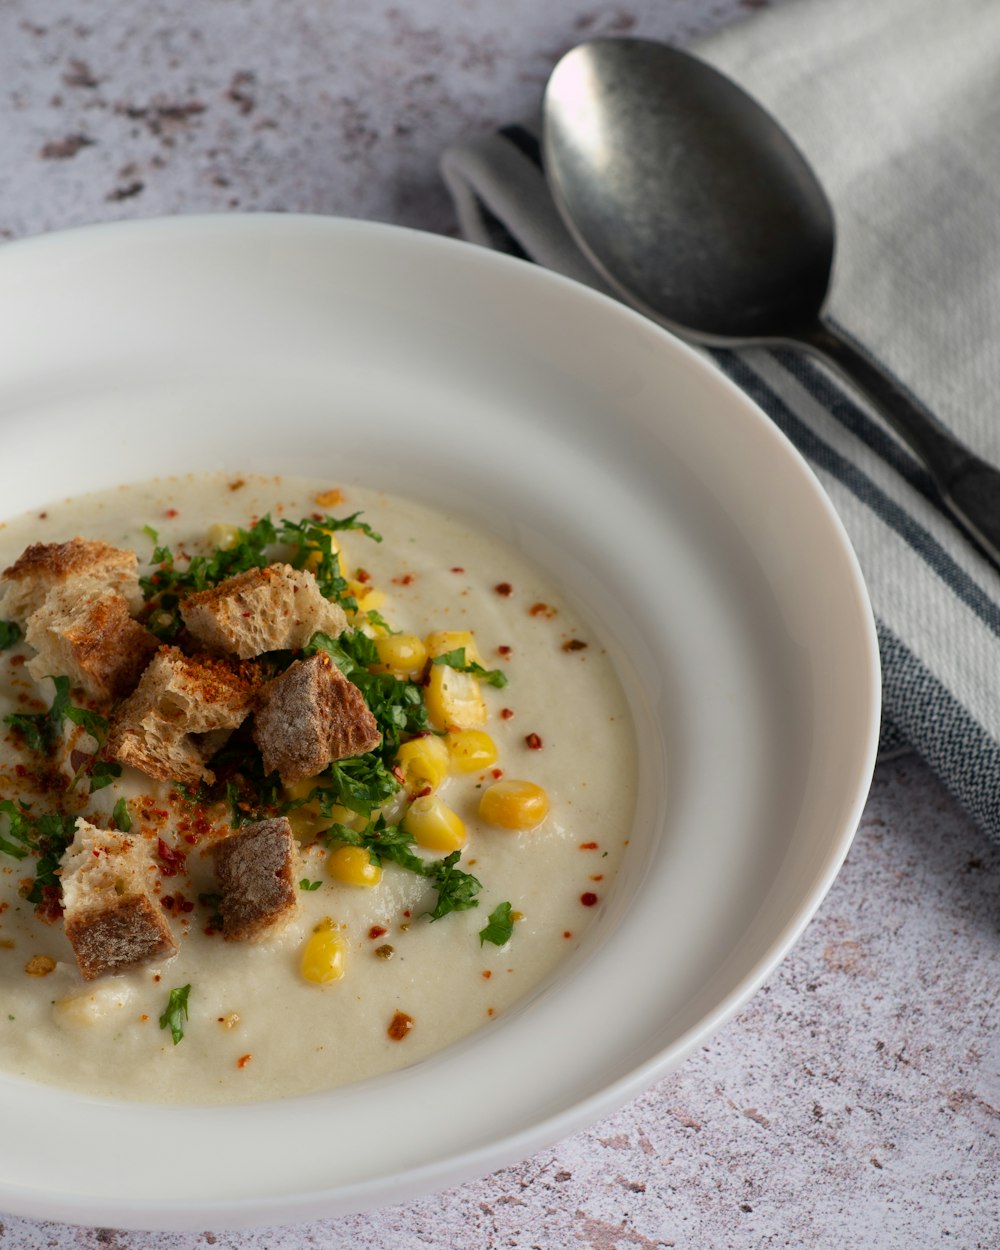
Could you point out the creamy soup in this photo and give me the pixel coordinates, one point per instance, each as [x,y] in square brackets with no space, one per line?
[252,1025]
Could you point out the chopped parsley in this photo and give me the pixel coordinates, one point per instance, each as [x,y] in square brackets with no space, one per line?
[10,634]
[457,890]
[120,816]
[176,1013]
[306,543]
[46,836]
[499,928]
[40,730]
[456,660]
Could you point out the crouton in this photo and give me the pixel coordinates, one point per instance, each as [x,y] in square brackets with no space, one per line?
[177,717]
[257,872]
[271,609]
[91,640]
[89,566]
[111,917]
[309,715]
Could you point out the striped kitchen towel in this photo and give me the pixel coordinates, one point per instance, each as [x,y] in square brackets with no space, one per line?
[895,106]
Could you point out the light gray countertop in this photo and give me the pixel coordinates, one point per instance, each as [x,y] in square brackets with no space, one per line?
[855,1102]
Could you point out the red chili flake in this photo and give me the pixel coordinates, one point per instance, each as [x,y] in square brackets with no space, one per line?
[588,846]
[504,588]
[533,742]
[487,974]
[422,794]
[566,933]
[496,773]
[171,513]
[458,569]
[237,484]
[504,651]
[399,1026]
[17,660]
[407,913]
[376,931]
[362,575]
[598,876]
[574,644]
[243,1060]
[405,580]
[77,759]
[172,860]
[506,713]
[588,899]
[490,1011]
[542,609]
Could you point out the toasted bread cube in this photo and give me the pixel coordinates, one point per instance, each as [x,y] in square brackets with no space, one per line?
[91,639]
[178,716]
[111,917]
[309,715]
[273,609]
[82,564]
[257,872]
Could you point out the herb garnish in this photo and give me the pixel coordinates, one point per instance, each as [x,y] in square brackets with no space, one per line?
[10,634]
[306,884]
[309,544]
[47,836]
[41,729]
[120,816]
[457,890]
[500,926]
[456,660]
[176,1012]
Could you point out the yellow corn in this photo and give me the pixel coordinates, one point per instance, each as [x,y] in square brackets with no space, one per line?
[323,957]
[307,821]
[424,763]
[441,641]
[352,865]
[453,699]
[434,826]
[224,537]
[472,750]
[514,804]
[401,653]
[368,598]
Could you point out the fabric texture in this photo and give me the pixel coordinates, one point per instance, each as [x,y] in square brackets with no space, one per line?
[895,106]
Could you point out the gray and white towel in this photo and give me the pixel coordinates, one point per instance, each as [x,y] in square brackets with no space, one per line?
[897,107]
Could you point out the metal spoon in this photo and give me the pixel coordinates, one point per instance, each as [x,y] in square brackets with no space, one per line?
[699,210]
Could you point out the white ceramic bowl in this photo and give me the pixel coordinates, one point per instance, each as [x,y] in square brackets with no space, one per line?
[686,527]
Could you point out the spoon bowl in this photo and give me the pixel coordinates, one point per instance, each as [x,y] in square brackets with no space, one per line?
[699,210]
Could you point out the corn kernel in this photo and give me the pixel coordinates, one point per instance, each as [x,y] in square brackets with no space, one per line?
[453,699]
[352,865]
[472,750]
[224,537]
[434,826]
[513,804]
[441,641]
[308,820]
[323,957]
[401,653]
[367,597]
[424,763]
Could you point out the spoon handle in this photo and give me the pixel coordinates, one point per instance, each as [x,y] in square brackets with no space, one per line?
[968,486]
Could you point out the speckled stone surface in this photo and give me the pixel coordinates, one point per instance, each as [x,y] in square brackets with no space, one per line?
[855,1102]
